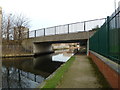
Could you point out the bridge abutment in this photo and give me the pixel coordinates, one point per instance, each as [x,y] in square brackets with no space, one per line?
[42,48]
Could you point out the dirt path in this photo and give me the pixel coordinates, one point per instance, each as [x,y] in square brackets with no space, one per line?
[79,75]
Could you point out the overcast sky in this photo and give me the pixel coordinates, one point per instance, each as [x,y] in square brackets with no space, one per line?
[47,13]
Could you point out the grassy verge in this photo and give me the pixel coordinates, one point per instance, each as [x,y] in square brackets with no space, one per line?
[101,79]
[55,79]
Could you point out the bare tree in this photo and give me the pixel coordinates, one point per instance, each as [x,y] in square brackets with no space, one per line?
[20,24]
[7,25]
[14,26]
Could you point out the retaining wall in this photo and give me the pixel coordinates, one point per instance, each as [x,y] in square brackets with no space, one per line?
[108,68]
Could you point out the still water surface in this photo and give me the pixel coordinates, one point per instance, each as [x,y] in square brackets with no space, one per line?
[29,72]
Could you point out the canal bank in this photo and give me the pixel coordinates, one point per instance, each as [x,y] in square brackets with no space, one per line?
[80,73]
[29,72]
[17,55]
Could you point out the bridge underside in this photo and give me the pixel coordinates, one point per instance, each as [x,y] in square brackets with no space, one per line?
[62,41]
[46,47]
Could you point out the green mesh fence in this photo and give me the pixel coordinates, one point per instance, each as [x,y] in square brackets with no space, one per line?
[106,41]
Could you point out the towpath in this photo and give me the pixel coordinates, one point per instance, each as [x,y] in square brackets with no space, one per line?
[80,75]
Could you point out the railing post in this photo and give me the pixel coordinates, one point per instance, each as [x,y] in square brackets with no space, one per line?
[68,29]
[28,34]
[108,27]
[84,25]
[35,33]
[55,30]
[118,34]
[44,31]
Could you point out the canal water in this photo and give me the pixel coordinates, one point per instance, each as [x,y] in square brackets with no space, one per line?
[29,72]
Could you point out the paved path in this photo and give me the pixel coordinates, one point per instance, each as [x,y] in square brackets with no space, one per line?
[82,75]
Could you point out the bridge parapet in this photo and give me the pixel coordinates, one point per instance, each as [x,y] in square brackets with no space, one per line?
[68,28]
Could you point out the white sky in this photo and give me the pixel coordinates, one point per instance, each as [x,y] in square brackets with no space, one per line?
[47,13]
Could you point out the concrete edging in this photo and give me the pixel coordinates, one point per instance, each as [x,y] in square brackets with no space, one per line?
[52,75]
[49,77]
[108,68]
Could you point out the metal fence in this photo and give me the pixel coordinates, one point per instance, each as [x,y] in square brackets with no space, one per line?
[67,28]
[106,41]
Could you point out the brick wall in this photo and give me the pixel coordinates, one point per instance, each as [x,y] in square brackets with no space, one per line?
[111,75]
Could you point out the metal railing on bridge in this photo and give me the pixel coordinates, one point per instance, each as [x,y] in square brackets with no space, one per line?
[106,41]
[68,28]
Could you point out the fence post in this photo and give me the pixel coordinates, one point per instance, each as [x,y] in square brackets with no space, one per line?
[44,31]
[84,26]
[35,33]
[68,29]
[55,30]
[98,44]
[28,34]
[118,33]
[108,27]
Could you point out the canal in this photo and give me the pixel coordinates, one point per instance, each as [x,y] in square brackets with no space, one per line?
[29,72]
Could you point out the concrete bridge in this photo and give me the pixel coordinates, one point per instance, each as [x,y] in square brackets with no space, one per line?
[44,44]
[40,41]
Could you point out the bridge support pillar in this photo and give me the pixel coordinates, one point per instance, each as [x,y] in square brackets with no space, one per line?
[42,48]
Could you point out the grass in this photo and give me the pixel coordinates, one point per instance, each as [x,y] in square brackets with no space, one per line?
[101,79]
[56,78]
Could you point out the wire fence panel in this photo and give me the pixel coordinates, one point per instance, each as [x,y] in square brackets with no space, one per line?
[31,34]
[106,41]
[39,32]
[93,24]
[62,29]
[76,27]
[50,31]
[114,35]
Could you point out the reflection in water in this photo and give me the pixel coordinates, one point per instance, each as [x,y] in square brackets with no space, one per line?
[45,64]
[61,57]
[30,72]
[20,79]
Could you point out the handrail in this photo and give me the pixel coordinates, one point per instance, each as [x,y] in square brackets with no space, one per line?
[66,28]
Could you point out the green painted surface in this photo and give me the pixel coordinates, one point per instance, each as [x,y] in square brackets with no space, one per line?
[106,41]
